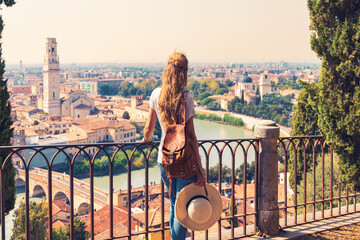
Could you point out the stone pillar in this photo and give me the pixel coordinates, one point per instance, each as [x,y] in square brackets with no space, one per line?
[268,218]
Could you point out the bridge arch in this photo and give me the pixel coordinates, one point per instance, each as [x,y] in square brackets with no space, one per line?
[84,208]
[19,182]
[60,196]
[38,191]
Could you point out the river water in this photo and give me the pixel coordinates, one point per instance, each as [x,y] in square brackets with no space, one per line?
[205,130]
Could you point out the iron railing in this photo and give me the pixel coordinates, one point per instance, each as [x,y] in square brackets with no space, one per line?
[240,190]
[315,192]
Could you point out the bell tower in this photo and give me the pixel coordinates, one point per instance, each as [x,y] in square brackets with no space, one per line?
[264,84]
[51,77]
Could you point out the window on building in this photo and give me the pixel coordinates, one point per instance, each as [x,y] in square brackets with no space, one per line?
[53,94]
[78,115]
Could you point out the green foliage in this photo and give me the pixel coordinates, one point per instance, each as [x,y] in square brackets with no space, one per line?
[206,101]
[236,220]
[211,117]
[107,90]
[126,115]
[226,173]
[288,84]
[214,173]
[250,173]
[207,87]
[336,40]
[273,106]
[7,3]
[157,131]
[227,119]
[143,87]
[120,163]
[37,214]
[318,186]
[233,120]
[79,231]
[305,122]
[59,234]
[139,128]
[229,83]
[6,131]
[213,106]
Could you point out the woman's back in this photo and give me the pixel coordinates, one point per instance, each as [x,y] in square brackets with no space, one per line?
[154,104]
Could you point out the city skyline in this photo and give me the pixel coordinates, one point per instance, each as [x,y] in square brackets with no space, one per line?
[148,31]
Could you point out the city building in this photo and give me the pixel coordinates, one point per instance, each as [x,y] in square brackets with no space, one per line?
[264,84]
[244,88]
[77,105]
[51,76]
[93,86]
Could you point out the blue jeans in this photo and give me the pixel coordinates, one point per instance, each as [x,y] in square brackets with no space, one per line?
[177,231]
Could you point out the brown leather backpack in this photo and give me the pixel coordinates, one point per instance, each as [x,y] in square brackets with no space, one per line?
[180,158]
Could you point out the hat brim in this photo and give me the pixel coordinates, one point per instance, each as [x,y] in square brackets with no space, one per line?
[189,192]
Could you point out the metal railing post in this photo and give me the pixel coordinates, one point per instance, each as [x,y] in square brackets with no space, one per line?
[268,209]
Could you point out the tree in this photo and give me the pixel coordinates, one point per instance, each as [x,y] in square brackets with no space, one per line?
[213,106]
[214,173]
[37,218]
[126,115]
[80,232]
[250,172]
[336,40]
[37,214]
[107,90]
[305,122]
[60,234]
[6,132]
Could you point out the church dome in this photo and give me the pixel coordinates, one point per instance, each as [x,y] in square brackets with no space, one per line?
[245,78]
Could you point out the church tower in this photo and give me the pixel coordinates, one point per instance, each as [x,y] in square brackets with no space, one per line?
[265,85]
[51,77]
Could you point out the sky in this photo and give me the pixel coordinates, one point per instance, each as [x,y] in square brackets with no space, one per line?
[148,31]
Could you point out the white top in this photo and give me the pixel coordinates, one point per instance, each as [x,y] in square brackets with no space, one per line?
[154,104]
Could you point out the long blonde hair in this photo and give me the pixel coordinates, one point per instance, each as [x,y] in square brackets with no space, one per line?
[174,82]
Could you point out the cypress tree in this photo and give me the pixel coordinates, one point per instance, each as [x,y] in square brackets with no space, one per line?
[6,132]
[305,122]
[336,40]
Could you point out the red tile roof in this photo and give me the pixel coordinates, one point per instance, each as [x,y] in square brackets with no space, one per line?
[102,222]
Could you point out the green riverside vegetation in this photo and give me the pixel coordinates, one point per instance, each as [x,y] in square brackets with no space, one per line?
[273,106]
[120,163]
[226,119]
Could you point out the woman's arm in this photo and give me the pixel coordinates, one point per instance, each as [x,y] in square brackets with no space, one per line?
[150,126]
[191,132]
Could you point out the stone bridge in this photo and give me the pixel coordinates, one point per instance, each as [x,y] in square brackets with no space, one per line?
[38,186]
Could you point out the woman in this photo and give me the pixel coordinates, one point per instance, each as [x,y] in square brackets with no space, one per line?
[162,104]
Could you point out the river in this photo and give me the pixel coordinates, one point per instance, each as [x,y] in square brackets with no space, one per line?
[205,130]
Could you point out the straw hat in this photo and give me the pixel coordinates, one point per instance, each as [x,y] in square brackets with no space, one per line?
[196,211]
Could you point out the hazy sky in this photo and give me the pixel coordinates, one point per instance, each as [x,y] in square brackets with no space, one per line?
[149,30]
